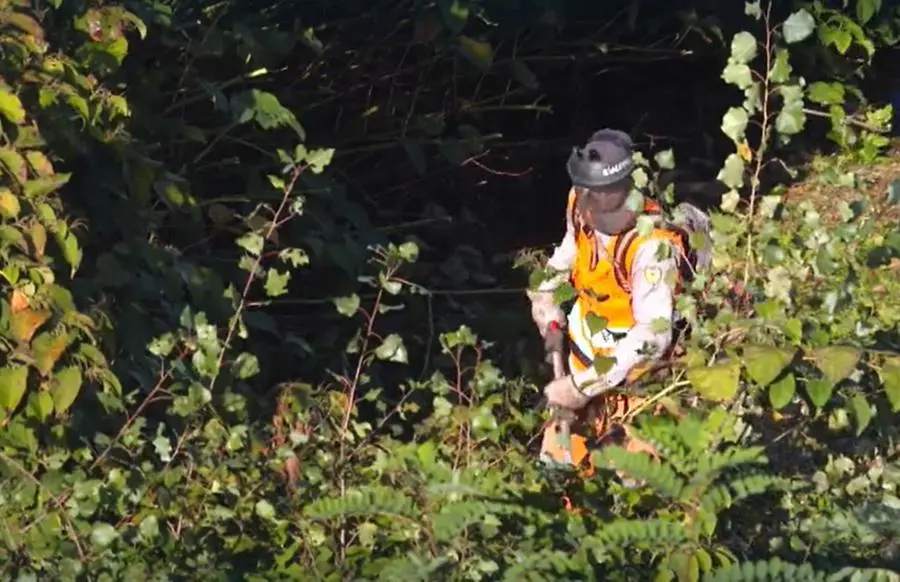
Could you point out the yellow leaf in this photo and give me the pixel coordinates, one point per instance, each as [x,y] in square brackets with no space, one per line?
[479,53]
[719,382]
[11,107]
[26,322]
[47,349]
[9,204]
[40,163]
[25,23]
[38,235]
[744,151]
[765,363]
[14,164]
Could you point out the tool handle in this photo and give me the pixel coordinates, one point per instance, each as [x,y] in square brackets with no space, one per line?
[562,417]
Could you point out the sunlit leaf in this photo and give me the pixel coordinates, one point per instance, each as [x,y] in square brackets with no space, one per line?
[781,391]
[798,26]
[11,107]
[13,382]
[862,412]
[719,382]
[765,363]
[392,349]
[890,377]
[836,362]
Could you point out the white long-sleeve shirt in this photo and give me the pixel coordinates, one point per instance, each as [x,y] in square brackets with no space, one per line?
[652,302]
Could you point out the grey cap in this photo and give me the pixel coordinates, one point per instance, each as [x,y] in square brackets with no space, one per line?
[604,160]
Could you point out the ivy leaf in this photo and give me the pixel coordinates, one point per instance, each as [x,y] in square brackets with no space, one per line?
[765,363]
[743,48]
[798,26]
[11,107]
[836,362]
[276,282]
[862,412]
[719,382]
[347,306]
[890,377]
[782,391]
[66,385]
[819,391]
[13,382]
[392,349]
[477,52]
[734,123]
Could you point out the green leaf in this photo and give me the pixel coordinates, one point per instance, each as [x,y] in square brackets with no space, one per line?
[13,382]
[149,527]
[826,93]
[524,75]
[66,385]
[732,172]
[798,26]
[251,242]
[71,252]
[265,510]
[719,382]
[477,52]
[743,48]
[890,377]
[276,282]
[782,391]
[781,68]
[103,534]
[819,391]
[409,251]
[790,120]
[665,159]
[246,365]
[318,160]
[734,123]
[866,9]
[454,13]
[737,74]
[40,406]
[765,363]
[862,412]
[11,107]
[596,323]
[392,349]
[347,306]
[836,362]
[40,187]
[265,109]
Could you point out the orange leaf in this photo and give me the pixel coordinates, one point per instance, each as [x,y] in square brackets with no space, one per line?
[18,301]
[47,349]
[26,322]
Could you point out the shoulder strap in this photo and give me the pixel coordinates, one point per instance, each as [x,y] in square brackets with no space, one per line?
[620,254]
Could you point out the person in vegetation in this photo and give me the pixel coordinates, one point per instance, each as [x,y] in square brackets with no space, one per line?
[625,276]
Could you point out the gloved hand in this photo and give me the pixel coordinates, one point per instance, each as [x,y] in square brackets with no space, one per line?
[562,393]
[544,311]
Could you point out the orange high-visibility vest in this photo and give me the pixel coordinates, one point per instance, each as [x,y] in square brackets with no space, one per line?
[601,277]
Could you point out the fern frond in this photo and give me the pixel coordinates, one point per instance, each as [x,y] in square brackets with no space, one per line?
[729,458]
[365,501]
[413,568]
[538,567]
[865,575]
[661,477]
[656,533]
[774,570]
[722,496]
